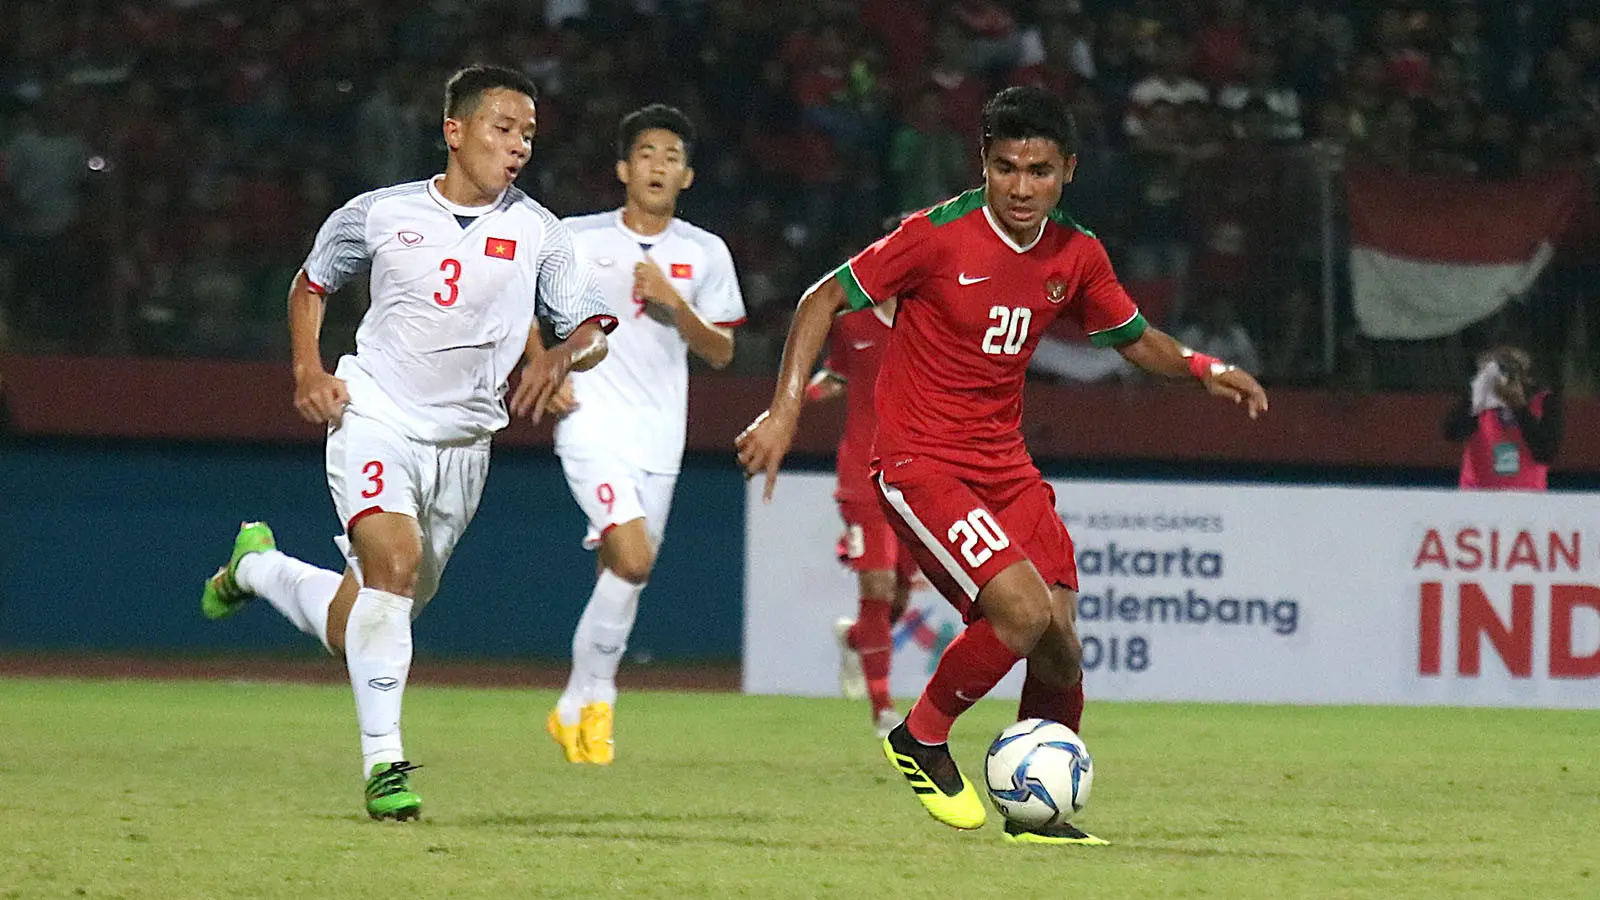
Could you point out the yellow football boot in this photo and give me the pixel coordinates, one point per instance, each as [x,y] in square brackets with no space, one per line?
[945,793]
[566,736]
[594,734]
[1060,833]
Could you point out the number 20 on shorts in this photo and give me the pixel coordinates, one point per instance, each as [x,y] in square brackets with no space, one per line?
[978,525]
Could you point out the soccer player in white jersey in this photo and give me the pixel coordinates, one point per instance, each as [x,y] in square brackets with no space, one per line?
[461,265]
[620,440]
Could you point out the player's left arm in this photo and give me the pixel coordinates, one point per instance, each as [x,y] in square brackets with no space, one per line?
[1157,352]
[1111,319]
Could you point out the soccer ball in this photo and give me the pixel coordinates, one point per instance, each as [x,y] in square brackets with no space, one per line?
[1039,773]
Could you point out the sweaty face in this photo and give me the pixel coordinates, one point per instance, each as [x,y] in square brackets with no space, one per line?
[656,170]
[1023,179]
[493,142]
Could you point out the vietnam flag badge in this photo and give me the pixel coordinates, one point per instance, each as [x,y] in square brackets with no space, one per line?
[500,248]
[682,270]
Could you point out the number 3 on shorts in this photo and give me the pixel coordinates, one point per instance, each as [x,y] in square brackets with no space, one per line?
[978,525]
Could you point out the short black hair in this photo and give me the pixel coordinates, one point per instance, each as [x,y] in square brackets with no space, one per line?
[656,115]
[1019,113]
[466,87]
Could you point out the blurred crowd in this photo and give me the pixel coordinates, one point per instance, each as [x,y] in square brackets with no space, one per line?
[163,165]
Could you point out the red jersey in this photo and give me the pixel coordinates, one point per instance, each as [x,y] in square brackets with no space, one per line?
[855,347]
[972,307]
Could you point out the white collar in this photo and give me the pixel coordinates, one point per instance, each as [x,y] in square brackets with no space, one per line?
[638,238]
[988,215]
[457,209]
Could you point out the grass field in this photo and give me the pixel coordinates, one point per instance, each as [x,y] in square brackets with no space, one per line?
[210,790]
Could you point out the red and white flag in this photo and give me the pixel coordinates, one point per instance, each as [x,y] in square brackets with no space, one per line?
[1431,255]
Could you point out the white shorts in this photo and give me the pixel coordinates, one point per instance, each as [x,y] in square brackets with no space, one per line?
[611,492]
[372,467]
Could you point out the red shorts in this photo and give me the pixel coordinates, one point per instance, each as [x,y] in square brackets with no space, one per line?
[964,532]
[869,543]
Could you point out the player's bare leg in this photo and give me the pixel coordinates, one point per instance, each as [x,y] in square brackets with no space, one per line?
[1017,610]
[376,639]
[627,554]
[1054,687]
[1053,690]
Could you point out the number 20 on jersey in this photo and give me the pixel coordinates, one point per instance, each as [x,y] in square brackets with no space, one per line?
[1009,332]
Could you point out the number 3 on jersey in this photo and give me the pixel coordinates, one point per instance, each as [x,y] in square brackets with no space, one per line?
[452,268]
[978,526]
[1009,331]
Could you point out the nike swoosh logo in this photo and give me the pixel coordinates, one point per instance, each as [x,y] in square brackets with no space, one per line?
[862,345]
[964,279]
[962,696]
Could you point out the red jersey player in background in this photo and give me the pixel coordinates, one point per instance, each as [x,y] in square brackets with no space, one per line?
[884,567]
[978,279]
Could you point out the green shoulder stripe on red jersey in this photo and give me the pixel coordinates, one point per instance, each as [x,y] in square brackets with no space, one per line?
[1126,333]
[854,293]
[1061,218]
[956,207]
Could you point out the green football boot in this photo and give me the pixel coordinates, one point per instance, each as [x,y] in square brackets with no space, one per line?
[223,596]
[389,793]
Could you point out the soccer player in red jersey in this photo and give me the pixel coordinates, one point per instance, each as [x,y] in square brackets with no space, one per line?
[978,279]
[883,565]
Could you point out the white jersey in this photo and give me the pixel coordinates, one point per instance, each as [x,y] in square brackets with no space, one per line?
[634,407]
[452,304]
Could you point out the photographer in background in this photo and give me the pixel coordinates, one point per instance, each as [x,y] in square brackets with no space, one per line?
[1512,427]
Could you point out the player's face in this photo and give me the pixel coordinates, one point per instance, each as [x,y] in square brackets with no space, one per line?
[656,171]
[1023,181]
[494,141]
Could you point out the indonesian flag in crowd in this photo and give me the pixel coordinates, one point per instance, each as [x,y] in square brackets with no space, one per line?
[1431,255]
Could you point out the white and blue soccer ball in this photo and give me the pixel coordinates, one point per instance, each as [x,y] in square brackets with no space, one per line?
[1039,773]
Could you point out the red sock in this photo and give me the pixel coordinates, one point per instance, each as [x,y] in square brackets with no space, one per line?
[971,666]
[871,637]
[1041,701]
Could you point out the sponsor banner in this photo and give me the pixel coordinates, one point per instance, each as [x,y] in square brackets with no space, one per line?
[1237,593]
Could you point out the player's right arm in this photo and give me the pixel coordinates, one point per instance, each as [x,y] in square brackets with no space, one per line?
[566,295]
[339,252]
[318,396]
[762,446]
[892,266]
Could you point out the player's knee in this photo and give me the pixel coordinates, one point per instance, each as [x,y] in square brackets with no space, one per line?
[393,569]
[1020,621]
[632,564]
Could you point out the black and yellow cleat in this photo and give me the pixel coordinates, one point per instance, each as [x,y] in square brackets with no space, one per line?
[1060,833]
[945,793]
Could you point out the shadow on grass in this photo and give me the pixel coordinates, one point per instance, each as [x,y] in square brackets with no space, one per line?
[744,830]
[546,818]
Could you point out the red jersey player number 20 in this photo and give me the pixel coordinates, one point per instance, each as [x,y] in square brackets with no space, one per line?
[973,305]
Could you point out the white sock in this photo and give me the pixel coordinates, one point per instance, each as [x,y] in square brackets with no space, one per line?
[598,645]
[377,651]
[299,590]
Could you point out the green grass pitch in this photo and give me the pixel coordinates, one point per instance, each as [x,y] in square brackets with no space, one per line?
[175,790]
